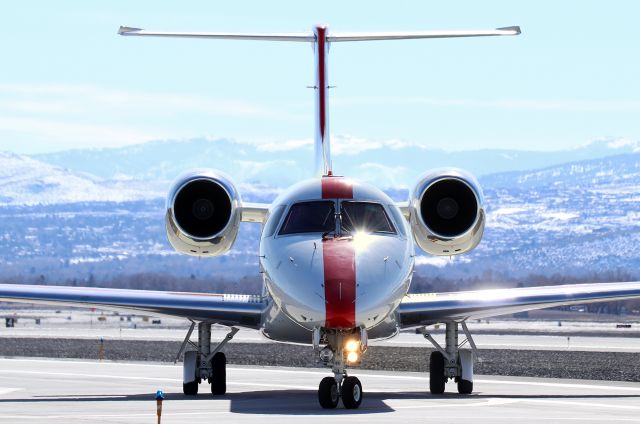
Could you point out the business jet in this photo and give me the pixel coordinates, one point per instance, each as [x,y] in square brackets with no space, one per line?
[337,257]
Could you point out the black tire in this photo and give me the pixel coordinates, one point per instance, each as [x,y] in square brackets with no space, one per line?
[437,379]
[219,374]
[465,387]
[351,392]
[190,389]
[328,393]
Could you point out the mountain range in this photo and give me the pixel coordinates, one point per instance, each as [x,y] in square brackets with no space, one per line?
[579,219]
[389,164]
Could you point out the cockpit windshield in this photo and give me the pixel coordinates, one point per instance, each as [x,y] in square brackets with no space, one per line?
[310,217]
[365,217]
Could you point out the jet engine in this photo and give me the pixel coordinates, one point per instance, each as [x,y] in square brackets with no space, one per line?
[447,212]
[203,213]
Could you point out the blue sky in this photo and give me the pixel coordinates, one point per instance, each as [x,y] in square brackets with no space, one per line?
[68,81]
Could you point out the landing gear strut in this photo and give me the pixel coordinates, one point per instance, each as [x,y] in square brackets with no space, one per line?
[451,362]
[339,351]
[203,363]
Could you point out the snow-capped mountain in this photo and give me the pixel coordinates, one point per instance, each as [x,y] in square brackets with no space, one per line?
[26,181]
[579,219]
[388,164]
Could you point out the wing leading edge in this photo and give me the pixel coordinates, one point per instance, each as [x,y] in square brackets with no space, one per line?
[240,310]
[424,309]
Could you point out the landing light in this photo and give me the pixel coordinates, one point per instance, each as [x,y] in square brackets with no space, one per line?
[352,346]
[352,357]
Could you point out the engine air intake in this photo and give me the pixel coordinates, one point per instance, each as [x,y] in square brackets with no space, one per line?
[449,207]
[202,208]
[203,213]
[446,212]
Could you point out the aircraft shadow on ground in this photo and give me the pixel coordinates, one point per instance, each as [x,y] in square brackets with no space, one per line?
[299,402]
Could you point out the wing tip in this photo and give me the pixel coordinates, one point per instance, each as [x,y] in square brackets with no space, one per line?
[125,30]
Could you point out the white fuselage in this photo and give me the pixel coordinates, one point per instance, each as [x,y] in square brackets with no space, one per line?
[345,276]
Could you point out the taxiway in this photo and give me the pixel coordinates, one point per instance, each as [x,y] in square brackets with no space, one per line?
[67,391]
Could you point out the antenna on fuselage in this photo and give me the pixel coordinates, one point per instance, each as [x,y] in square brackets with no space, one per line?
[321,39]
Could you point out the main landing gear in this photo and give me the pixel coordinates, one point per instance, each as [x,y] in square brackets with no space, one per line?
[451,362]
[204,363]
[341,349]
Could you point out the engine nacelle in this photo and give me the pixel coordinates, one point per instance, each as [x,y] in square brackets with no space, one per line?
[447,212]
[203,213]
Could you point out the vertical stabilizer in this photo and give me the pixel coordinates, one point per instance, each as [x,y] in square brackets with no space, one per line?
[321,87]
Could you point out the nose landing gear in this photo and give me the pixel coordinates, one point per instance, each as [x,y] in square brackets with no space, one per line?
[340,350]
[330,392]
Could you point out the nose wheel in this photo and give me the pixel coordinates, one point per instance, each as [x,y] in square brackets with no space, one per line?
[328,393]
[350,390]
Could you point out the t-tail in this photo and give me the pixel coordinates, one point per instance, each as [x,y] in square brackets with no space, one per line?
[321,39]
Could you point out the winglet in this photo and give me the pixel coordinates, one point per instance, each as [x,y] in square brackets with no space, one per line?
[125,30]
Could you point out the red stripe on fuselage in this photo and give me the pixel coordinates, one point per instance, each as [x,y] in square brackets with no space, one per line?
[339,265]
[339,283]
[336,188]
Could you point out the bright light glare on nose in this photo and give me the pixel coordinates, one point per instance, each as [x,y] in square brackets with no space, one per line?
[352,357]
[351,345]
[361,241]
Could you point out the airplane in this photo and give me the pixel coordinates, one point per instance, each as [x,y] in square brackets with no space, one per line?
[337,257]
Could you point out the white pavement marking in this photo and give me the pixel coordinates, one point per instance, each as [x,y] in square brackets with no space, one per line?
[73,374]
[582,404]
[563,385]
[253,370]
[484,402]
[124,377]
[78,416]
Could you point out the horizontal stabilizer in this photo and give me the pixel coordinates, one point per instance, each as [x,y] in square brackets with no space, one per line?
[377,36]
[331,37]
[138,32]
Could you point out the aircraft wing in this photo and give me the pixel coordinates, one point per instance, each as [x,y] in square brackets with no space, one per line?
[424,309]
[254,212]
[228,309]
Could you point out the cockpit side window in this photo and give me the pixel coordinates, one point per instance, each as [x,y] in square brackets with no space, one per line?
[398,218]
[310,217]
[273,219]
[365,216]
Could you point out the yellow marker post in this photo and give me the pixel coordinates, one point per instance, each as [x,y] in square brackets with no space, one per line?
[159,399]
